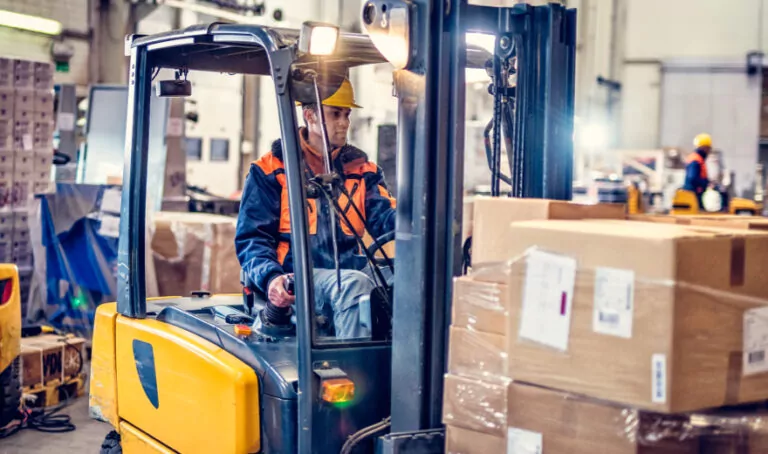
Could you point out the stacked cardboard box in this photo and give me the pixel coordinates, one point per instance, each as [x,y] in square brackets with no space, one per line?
[26,154]
[605,332]
[195,251]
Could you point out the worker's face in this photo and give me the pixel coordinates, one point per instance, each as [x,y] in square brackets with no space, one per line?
[705,150]
[336,122]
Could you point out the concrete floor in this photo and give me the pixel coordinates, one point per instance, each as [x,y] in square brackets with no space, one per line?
[85,439]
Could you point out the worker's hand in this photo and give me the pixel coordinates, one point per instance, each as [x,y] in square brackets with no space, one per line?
[277,293]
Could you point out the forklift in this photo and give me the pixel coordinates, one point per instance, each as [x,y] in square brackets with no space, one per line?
[231,374]
[10,343]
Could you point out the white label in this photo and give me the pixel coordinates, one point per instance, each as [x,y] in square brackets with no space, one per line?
[26,142]
[614,302]
[521,441]
[659,378]
[175,127]
[110,201]
[547,299]
[755,341]
[66,121]
[110,226]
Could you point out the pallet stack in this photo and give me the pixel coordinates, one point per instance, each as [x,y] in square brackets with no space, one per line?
[53,368]
[26,155]
[607,336]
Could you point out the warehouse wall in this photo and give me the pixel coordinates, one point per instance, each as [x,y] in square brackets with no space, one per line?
[74,17]
[632,40]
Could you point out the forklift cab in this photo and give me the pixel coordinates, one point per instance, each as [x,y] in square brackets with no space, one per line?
[195,374]
[210,373]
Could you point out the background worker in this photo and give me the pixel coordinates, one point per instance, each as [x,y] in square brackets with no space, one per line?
[696,176]
[263,226]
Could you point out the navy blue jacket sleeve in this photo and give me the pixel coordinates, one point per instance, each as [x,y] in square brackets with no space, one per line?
[258,224]
[379,203]
[693,180]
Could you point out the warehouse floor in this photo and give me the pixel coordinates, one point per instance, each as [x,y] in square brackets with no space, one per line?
[86,438]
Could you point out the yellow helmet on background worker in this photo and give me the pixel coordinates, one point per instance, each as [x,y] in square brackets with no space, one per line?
[343,97]
[702,141]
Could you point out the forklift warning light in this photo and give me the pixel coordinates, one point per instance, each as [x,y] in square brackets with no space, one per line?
[337,390]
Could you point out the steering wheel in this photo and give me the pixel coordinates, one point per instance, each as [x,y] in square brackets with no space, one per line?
[378,245]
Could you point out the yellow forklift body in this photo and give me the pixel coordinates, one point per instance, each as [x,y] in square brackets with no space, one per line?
[134,441]
[685,203]
[10,318]
[182,389]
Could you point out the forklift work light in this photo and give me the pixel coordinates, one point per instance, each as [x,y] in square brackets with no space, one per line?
[337,390]
[318,39]
[387,22]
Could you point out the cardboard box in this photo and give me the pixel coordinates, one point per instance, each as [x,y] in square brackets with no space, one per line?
[195,251]
[6,126]
[43,76]
[724,221]
[41,175]
[647,315]
[6,73]
[24,99]
[492,216]
[529,419]
[6,161]
[567,424]
[43,101]
[7,101]
[477,354]
[480,306]
[464,441]
[43,160]
[48,357]
[20,219]
[43,187]
[43,116]
[23,164]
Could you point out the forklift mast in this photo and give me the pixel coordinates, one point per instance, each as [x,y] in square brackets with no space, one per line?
[535,44]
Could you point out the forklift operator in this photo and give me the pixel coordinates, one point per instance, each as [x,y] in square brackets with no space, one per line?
[263,227]
[696,177]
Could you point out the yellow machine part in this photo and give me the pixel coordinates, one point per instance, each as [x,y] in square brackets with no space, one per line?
[10,318]
[102,398]
[134,441]
[191,396]
[744,206]
[685,202]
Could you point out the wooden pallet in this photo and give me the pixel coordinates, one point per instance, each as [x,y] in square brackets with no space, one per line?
[55,391]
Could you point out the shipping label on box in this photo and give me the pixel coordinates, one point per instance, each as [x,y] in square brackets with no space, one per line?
[755,341]
[614,301]
[547,299]
[24,100]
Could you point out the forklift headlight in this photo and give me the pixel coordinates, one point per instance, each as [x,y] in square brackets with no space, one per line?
[318,39]
[337,390]
[387,22]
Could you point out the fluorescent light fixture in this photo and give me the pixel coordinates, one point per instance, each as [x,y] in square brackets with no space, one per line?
[318,39]
[30,23]
[594,136]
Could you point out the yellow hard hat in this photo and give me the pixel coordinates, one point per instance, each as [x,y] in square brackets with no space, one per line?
[344,97]
[702,140]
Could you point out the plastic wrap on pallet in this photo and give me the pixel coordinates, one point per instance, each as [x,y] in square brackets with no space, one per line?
[195,251]
[635,325]
[524,419]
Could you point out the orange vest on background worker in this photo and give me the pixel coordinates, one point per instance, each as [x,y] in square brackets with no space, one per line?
[696,157]
[696,174]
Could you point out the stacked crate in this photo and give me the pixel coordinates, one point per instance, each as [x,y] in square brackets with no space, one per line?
[26,155]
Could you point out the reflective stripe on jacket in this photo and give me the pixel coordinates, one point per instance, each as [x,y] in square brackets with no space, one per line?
[263,226]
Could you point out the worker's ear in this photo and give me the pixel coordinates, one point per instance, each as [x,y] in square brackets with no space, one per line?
[310,116]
